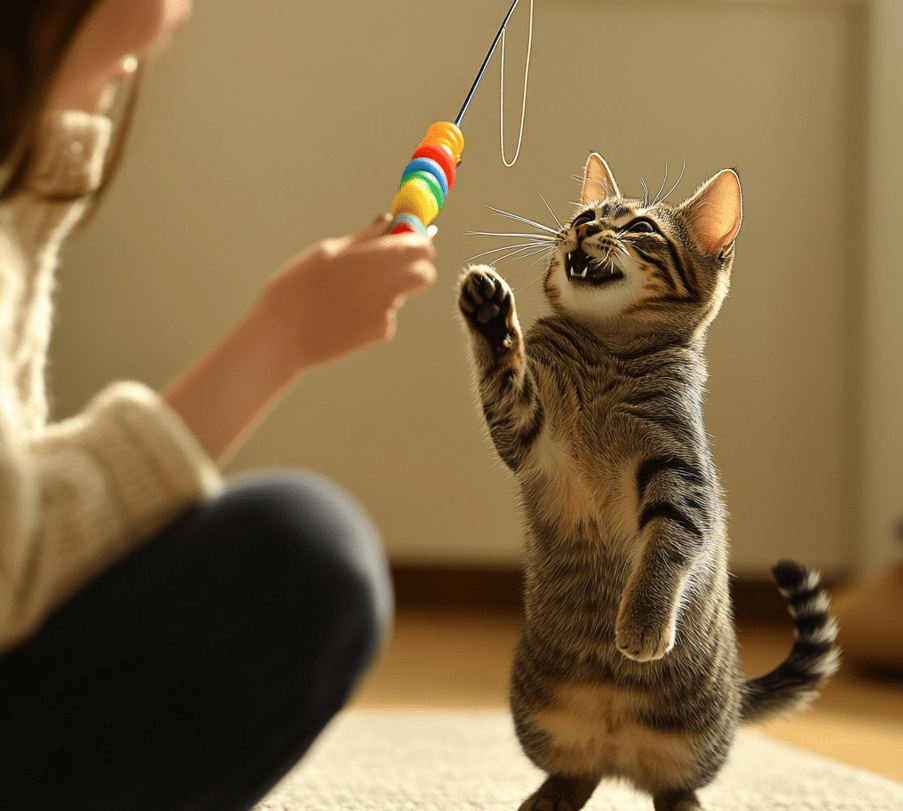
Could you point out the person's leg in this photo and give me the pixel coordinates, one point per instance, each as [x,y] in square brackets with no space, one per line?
[196,672]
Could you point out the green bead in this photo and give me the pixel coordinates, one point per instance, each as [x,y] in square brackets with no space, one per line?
[430,181]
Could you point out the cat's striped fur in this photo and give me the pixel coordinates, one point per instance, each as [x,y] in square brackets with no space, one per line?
[627,664]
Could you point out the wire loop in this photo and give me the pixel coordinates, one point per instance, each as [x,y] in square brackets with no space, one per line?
[523,109]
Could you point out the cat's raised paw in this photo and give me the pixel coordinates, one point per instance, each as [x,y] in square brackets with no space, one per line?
[644,643]
[487,304]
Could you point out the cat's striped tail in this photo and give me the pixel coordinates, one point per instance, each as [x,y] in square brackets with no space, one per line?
[813,659]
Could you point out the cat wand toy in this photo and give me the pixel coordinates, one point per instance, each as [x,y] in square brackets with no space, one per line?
[430,175]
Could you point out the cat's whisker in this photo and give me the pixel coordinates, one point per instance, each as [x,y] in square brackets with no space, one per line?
[540,256]
[529,284]
[679,178]
[514,254]
[535,278]
[521,247]
[544,255]
[526,249]
[664,181]
[537,237]
[557,221]
[539,249]
[530,244]
[523,219]
[645,193]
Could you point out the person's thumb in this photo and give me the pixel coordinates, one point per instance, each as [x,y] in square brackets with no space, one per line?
[377,228]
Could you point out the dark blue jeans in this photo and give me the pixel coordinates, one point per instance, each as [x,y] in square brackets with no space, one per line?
[197,671]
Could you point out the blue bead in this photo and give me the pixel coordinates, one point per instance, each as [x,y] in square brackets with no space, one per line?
[427,165]
[409,220]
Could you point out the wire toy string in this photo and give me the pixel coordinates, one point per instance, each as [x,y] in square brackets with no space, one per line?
[523,109]
[482,70]
[500,37]
[430,174]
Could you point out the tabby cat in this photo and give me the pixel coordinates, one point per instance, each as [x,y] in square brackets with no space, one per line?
[627,664]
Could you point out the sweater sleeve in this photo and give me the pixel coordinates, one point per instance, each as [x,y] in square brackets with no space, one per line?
[90,489]
[77,495]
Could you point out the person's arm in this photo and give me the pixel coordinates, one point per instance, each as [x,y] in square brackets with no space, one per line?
[229,390]
[335,298]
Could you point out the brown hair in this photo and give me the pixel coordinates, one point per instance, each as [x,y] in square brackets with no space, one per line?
[35,39]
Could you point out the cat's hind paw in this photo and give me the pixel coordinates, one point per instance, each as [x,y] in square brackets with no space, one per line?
[677,801]
[487,305]
[561,793]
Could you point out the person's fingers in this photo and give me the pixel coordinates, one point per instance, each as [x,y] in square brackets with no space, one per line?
[377,228]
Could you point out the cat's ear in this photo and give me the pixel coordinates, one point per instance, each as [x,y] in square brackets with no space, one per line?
[715,212]
[598,181]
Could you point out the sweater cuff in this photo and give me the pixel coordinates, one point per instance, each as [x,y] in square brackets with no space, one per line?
[152,465]
[157,463]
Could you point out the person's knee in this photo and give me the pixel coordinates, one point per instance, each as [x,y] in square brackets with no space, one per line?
[315,558]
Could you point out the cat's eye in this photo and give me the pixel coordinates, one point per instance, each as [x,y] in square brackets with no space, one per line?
[640,227]
[584,218]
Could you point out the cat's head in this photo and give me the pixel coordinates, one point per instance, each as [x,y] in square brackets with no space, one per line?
[622,266]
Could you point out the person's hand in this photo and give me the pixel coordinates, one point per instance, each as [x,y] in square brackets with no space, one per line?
[341,295]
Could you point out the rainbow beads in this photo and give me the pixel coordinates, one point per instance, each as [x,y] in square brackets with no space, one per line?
[427,179]
[415,197]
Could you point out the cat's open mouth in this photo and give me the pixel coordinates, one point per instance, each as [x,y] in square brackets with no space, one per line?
[585,269]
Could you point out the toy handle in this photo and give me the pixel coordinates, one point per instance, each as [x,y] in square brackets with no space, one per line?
[427,179]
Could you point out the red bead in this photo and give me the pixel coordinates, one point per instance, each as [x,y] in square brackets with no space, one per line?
[407,224]
[443,156]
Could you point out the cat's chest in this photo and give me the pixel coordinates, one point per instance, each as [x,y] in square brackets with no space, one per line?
[584,429]
[581,471]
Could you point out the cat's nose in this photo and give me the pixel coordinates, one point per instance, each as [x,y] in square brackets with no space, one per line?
[586,230]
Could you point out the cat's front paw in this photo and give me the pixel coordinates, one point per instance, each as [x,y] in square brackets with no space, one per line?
[487,304]
[644,641]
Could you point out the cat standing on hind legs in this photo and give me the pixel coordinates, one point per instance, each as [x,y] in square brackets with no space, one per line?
[627,662]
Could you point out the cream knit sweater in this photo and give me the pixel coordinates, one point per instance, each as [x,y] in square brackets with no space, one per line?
[77,495]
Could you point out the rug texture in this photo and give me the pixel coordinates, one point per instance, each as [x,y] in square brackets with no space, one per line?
[456,761]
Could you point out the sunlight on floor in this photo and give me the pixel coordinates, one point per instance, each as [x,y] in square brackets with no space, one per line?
[458,660]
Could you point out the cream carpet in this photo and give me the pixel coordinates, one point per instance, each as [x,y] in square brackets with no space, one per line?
[457,761]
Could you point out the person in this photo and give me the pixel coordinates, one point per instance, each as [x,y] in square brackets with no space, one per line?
[168,640]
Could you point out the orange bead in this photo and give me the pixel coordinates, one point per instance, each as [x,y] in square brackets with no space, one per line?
[445,132]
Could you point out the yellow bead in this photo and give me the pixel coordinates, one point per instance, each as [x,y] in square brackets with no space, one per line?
[444,132]
[415,197]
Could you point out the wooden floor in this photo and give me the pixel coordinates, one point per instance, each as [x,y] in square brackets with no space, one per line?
[460,659]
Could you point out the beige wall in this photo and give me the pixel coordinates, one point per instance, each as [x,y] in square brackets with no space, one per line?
[264,131]
[882,348]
